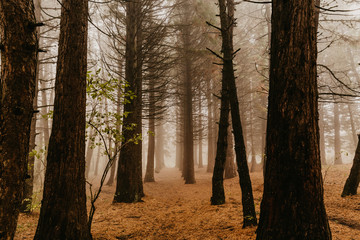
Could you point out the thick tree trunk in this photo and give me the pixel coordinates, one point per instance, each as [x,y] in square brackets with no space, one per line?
[129,185]
[352,183]
[63,211]
[17,90]
[293,205]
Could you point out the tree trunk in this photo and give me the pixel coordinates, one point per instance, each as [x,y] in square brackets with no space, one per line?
[337,142]
[17,90]
[230,168]
[352,183]
[89,153]
[322,136]
[218,193]
[159,150]
[149,175]
[63,211]
[210,128]
[293,205]
[227,21]
[352,124]
[129,185]
[201,165]
[189,171]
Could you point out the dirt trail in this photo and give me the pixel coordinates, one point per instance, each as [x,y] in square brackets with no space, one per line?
[173,210]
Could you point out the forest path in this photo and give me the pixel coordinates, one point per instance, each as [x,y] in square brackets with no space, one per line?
[174,210]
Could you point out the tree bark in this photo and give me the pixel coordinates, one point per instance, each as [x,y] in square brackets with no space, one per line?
[337,142]
[293,205]
[218,193]
[352,183]
[17,90]
[189,171]
[63,211]
[129,185]
[149,175]
[227,22]
[230,168]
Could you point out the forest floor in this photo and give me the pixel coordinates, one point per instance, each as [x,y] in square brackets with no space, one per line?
[173,210]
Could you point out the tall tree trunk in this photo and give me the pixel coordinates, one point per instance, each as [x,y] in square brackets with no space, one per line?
[230,168]
[352,124]
[179,144]
[210,129]
[149,175]
[89,153]
[63,211]
[201,165]
[17,90]
[322,136]
[189,171]
[29,183]
[337,142]
[218,193]
[227,22]
[352,182]
[159,150]
[129,185]
[97,163]
[293,205]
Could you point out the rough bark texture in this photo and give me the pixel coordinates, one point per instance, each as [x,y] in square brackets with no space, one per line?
[227,22]
[292,205]
[17,90]
[63,211]
[129,185]
[352,183]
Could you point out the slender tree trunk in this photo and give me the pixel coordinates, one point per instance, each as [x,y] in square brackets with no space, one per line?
[227,22]
[337,142]
[189,171]
[218,193]
[129,185]
[210,129]
[97,164]
[17,90]
[89,153]
[352,124]
[63,212]
[179,143]
[292,206]
[149,175]
[159,150]
[322,136]
[352,182]
[201,165]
